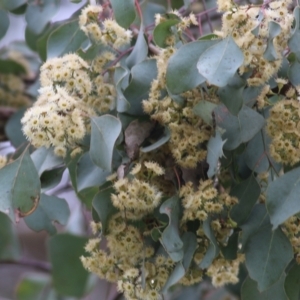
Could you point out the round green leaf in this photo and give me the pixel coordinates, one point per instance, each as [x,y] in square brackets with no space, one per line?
[124,12]
[164,29]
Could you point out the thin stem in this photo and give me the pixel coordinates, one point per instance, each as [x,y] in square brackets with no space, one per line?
[34,264]
[139,11]
[122,54]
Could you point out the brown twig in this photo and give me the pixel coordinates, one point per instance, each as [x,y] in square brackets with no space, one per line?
[34,264]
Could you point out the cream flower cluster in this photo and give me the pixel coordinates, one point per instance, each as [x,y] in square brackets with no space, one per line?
[72,91]
[107,32]
[250,27]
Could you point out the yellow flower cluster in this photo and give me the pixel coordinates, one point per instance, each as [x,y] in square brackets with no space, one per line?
[59,117]
[223,271]
[12,91]
[108,32]
[283,126]
[291,228]
[72,91]
[138,196]
[3,161]
[188,131]
[250,28]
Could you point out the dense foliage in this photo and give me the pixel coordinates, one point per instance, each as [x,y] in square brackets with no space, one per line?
[184,146]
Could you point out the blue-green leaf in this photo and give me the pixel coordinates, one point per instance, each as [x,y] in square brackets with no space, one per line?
[20,187]
[120,75]
[250,291]
[4,23]
[161,141]
[204,109]
[170,238]
[105,131]
[140,50]
[66,38]
[247,192]
[240,128]
[50,209]
[69,276]
[274,30]
[45,159]
[267,253]
[283,197]
[292,282]
[214,152]
[213,248]
[138,90]
[38,14]
[182,74]
[9,246]
[88,174]
[219,63]
[294,41]
[124,12]
[189,247]
[294,74]
[104,207]
[11,4]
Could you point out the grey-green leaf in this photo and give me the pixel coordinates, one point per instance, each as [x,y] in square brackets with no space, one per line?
[283,197]
[9,246]
[45,159]
[170,238]
[294,74]
[294,41]
[38,14]
[250,291]
[120,75]
[20,186]
[140,50]
[124,12]
[292,282]
[138,90]
[182,74]
[214,152]
[4,23]
[161,141]
[164,30]
[50,209]
[66,38]
[105,131]
[267,253]
[104,207]
[69,276]
[213,248]
[190,244]
[88,174]
[219,63]
[247,192]
[204,109]
[240,128]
